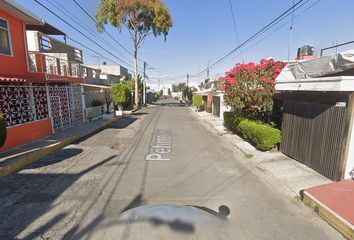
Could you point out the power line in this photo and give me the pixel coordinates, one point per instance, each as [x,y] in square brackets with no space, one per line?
[90,49]
[281,26]
[261,31]
[94,20]
[81,24]
[235,27]
[291,31]
[49,10]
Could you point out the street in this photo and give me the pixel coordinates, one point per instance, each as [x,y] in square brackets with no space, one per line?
[160,155]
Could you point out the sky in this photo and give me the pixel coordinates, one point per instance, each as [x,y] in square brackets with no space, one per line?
[203,32]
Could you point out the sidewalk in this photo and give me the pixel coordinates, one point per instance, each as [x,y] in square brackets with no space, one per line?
[334,202]
[274,168]
[18,157]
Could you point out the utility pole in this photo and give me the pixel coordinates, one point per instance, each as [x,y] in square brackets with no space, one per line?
[144,84]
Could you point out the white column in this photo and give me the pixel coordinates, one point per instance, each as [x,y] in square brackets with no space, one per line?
[83,102]
[49,107]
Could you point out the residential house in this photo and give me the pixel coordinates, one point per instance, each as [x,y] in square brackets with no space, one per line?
[318,113]
[40,77]
[213,96]
[112,73]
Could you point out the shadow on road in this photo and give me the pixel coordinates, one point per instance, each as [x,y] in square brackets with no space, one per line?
[59,156]
[25,197]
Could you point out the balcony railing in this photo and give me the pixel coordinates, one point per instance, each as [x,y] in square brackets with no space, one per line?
[39,62]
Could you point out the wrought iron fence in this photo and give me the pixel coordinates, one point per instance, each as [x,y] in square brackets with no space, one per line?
[23,103]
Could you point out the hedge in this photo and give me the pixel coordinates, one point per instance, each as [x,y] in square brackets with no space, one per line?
[2,130]
[197,101]
[261,135]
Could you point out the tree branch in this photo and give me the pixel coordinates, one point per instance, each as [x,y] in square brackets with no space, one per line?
[142,38]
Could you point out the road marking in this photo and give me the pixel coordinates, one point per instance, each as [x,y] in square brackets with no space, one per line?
[161,146]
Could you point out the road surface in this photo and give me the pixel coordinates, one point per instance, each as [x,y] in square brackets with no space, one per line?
[157,174]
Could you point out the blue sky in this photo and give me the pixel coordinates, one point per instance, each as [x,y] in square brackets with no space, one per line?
[203,32]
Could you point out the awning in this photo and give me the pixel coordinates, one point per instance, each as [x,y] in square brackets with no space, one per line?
[13,79]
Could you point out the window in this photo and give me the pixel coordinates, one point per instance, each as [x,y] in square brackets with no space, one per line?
[5,43]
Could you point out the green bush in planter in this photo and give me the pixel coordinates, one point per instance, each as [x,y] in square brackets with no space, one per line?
[261,135]
[2,130]
[197,101]
[208,109]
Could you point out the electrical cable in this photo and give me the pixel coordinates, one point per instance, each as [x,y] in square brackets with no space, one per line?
[261,31]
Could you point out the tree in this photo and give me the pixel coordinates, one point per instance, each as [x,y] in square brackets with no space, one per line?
[169,92]
[107,98]
[120,95]
[161,93]
[140,17]
[249,88]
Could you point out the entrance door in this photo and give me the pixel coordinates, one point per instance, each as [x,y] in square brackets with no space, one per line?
[59,104]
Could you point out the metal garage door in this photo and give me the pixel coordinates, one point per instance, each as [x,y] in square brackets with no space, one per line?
[313,135]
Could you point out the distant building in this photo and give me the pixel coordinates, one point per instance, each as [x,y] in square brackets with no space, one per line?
[157,87]
[113,72]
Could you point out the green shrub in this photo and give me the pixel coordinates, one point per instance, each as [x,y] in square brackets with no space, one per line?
[96,103]
[3,132]
[229,120]
[261,135]
[120,95]
[197,101]
[208,109]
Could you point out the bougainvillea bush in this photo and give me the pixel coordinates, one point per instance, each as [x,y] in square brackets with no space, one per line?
[249,88]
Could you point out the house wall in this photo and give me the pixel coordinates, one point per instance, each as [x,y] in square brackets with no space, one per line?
[26,133]
[17,63]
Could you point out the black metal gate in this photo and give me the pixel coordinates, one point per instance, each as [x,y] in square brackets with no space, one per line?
[216,106]
[313,134]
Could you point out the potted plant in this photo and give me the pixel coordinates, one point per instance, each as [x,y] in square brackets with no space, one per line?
[120,96]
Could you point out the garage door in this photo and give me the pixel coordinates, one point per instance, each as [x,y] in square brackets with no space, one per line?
[313,135]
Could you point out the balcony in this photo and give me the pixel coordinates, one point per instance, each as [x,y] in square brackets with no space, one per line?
[56,66]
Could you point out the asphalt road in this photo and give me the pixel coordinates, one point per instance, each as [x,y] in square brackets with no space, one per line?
[158,174]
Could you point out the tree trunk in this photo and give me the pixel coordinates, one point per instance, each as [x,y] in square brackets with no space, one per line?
[136,74]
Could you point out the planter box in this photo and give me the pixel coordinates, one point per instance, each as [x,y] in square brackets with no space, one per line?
[119,113]
[108,116]
[127,112]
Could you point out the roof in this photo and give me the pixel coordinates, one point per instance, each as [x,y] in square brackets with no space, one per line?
[32,21]
[46,28]
[328,84]
[18,11]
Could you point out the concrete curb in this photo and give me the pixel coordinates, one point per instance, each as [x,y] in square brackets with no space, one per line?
[136,109]
[41,153]
[35,156]
[336,221]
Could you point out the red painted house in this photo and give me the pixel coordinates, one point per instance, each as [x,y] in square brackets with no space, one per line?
[40,91]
